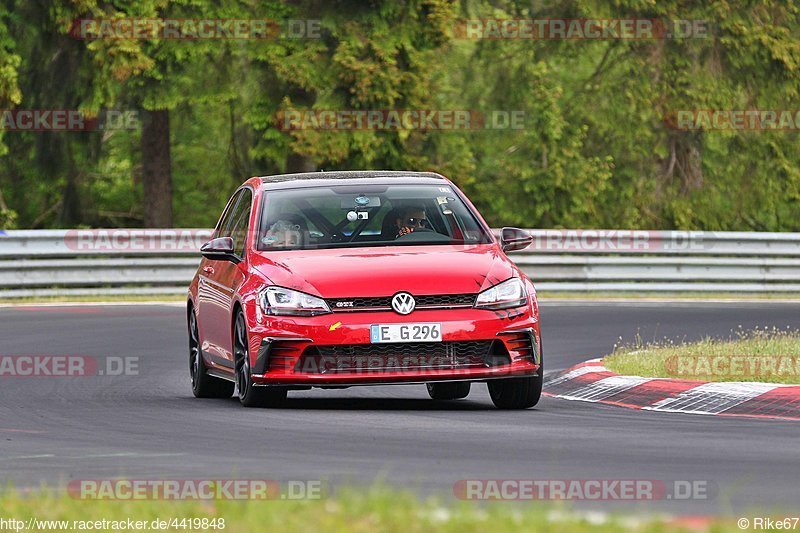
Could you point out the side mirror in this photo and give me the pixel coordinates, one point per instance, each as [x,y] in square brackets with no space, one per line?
[219,249]
[515,239]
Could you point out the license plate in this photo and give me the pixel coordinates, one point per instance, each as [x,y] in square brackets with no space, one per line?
[420,332]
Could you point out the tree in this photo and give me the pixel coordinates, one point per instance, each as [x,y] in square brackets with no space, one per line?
[598,147]
[157,75]
[372,56]
[9,95]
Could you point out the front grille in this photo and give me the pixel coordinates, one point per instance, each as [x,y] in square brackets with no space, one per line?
[400,357]
[445,299]
[384,303]
[282,354]
[351,304]
[521,346]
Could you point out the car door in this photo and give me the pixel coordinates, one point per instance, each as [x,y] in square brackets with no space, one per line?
[214,296]
[223,282]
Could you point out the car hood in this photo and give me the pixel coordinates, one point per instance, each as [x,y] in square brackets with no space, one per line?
[384,271]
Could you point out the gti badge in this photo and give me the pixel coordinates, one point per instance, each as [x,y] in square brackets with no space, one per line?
[403,303]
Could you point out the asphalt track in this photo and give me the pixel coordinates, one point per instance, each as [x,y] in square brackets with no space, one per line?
[149,426]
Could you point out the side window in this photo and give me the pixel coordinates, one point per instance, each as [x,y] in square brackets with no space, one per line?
[241,222]
[224,224]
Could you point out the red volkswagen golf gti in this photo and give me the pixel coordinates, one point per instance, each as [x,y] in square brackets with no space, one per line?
[335,279]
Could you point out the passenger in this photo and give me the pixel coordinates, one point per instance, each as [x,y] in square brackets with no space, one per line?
[284,233]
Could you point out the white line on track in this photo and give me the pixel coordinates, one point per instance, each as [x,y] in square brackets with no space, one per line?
[42,456]
[90,456]
[92,304]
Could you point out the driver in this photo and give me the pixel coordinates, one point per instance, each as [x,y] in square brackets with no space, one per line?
[284,232]
[410,218]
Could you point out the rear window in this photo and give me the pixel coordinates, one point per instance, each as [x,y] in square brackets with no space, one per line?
[373,215]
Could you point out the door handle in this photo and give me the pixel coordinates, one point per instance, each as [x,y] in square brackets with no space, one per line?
[208,270]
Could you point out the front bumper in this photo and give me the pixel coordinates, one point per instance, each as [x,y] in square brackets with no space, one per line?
[281,348]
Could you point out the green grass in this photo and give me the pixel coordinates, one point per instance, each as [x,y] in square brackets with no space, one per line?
[350,510]
[766,355]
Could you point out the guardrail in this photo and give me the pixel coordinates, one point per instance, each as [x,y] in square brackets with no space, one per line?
[131,262]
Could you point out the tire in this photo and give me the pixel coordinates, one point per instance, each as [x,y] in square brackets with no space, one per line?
[448,391]
[249,394]
[203,385]
[518,393]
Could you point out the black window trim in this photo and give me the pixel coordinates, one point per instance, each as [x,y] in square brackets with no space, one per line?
[233,201]
[240,191]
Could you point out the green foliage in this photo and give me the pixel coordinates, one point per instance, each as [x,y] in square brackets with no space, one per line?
[8,219]
[596,150]
[10,93]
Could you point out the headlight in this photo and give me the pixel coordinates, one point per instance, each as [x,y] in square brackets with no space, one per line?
[505,295]
[280,301]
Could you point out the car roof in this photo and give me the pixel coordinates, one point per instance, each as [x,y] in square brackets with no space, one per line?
[354,177]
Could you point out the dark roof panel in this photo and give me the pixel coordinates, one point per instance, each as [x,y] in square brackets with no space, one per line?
[349,175]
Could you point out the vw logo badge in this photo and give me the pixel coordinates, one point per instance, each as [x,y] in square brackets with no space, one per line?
[403,303]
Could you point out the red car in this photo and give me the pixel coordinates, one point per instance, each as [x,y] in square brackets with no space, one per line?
[335,279]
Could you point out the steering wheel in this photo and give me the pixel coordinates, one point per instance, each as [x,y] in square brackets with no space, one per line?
[423,235]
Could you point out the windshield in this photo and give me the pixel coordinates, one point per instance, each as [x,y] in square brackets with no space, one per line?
[372,215]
